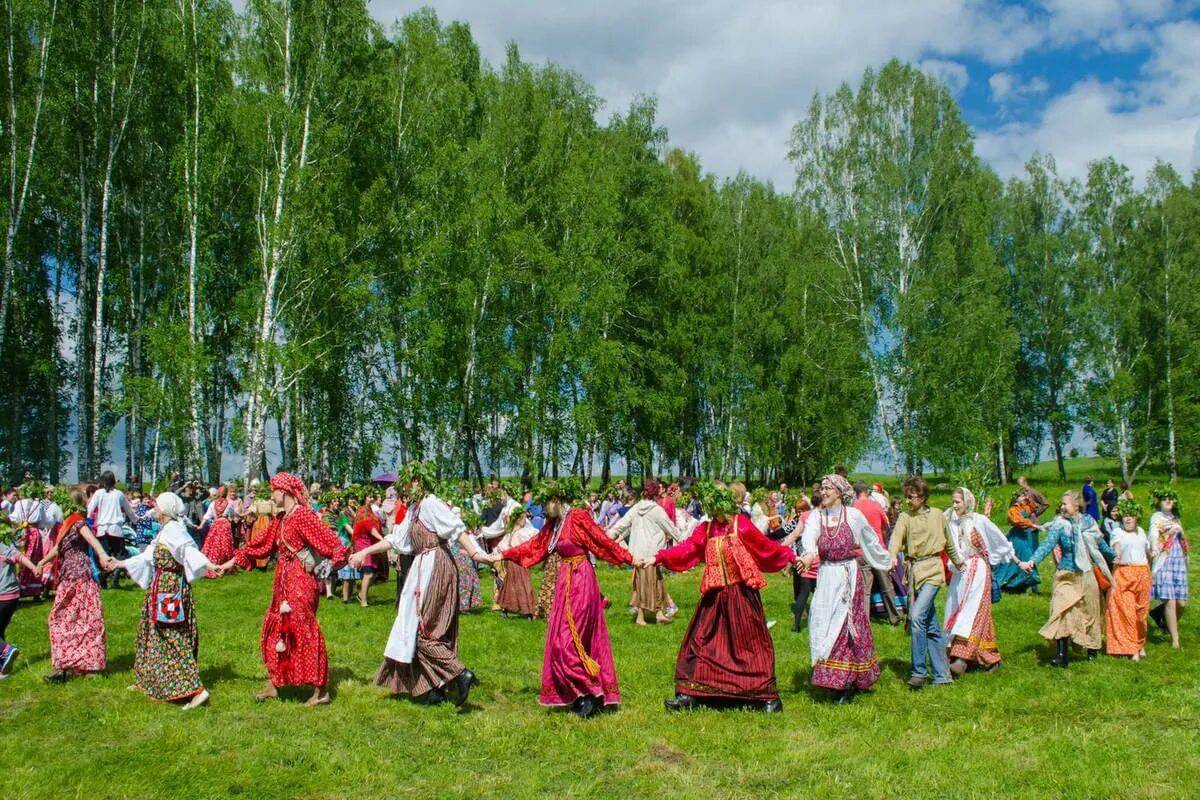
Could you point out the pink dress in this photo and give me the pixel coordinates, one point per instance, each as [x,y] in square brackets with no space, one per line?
[852,663]
[77,638]
[578,659]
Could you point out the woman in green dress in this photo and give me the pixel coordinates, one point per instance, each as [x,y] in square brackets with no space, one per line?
[164,664]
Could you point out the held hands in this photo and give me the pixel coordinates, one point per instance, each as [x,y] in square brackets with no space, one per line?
[1025,566]
[643,562]
[357,559]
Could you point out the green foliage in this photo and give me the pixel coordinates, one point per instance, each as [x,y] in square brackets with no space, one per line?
[1129,508]
[715,498]
[380,248]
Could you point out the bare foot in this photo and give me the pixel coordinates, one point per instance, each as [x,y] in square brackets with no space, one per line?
[663,619]
[269,692]
[319,698]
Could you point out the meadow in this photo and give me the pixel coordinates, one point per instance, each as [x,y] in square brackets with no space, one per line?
[1098,729]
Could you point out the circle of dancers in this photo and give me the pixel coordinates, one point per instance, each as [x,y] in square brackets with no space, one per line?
[852,551]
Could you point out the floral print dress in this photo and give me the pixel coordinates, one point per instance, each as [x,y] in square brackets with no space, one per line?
[164,664]
[77,636]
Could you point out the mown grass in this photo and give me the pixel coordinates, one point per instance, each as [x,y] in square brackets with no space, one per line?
[1109,728]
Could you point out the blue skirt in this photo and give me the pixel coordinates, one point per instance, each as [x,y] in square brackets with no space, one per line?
[1009,576]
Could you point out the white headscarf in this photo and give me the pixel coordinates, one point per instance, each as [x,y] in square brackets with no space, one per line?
[175,538]
[170,505]
[999,548]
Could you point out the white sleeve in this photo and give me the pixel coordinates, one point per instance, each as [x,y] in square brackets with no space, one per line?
[873,551]
[440,518]
[141,566]
[1000,549]
[668,526]
[623,528]
[94,503]
[183,547]
[812,529]
[400,537]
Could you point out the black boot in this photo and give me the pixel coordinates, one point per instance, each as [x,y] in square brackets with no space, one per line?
[433,697]
[1159,615]
[843,697]
[462,686]
[772,706]
[1063,658]
[584,707]
[1093,654]
[680,702]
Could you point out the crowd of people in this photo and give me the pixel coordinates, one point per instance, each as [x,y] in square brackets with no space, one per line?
[855,555]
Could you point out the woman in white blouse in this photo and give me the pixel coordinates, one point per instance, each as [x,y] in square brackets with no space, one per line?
[1129,598]
[164,664]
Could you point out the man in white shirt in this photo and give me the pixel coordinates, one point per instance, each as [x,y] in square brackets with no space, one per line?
[109,510]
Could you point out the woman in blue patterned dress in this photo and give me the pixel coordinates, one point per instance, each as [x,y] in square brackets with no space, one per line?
[1170,582]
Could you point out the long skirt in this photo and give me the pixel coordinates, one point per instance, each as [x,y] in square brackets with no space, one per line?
[1128,605]
[164,661]
[257,531]
[516,593]
[31,582]
[469,595]
[980,646]
[727,651]
[545,595]
[649,592]
[1070,612]
[851,663]
[1011,577]
[1094,599]
[578,660]
[218,544]
[77,636]
[435,662]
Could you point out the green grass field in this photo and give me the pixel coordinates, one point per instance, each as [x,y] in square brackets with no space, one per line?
[1109,728]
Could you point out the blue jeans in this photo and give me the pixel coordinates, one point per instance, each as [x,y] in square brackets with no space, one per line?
[927,637]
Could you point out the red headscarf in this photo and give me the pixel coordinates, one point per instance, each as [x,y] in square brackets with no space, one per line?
[288,483]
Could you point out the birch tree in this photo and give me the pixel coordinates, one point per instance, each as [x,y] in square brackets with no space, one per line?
[27,53]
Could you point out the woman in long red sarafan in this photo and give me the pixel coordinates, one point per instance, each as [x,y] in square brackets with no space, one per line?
[577,667]
[293,648]
[727,658]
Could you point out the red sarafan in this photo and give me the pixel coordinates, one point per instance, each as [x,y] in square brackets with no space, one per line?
[293,648]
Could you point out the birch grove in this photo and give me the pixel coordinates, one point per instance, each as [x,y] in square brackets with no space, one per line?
[287,234]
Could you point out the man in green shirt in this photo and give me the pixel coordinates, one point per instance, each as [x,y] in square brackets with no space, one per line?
[922,534]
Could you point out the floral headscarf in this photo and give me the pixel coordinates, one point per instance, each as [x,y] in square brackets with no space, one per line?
[840,485]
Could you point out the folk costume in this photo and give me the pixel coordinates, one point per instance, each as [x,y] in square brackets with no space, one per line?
[727,654]
[293,648]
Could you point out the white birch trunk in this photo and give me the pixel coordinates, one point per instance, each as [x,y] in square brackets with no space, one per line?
[17,196]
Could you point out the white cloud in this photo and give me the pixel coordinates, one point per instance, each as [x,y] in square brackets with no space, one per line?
[1004,86]
[951,73]
[1001,84]
[1155,116]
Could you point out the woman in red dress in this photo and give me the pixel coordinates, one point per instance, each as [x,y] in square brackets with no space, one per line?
[577,668]
[293,648]
[727,657]
[77,635]
[367,531]
[218,544]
